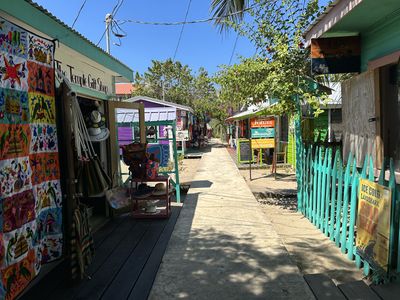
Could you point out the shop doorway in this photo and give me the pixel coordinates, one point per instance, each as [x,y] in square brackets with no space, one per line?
[128,131]
[131,115]
[390,108]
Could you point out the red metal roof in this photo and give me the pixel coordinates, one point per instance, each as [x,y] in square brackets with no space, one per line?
[124,88]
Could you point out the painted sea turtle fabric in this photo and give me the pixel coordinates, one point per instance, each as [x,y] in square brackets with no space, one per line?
[30,191]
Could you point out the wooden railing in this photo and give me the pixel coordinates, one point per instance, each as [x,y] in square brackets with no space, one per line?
[328,197]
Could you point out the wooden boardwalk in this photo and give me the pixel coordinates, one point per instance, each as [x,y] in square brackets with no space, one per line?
[128,254]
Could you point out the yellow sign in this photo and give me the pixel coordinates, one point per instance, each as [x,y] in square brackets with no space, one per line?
[373,223]
[262,143]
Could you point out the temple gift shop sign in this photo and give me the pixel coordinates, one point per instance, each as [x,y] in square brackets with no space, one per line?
[262,143]
[373,223]
[336,55]
[262,122]
[262,132]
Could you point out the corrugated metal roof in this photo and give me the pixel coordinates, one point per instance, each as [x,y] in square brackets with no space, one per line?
[161,102]
[150,115]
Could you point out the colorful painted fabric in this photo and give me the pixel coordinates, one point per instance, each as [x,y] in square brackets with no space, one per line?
[30,194]
[82,243]
[161,153]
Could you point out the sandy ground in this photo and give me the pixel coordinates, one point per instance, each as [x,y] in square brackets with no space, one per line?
[312,251]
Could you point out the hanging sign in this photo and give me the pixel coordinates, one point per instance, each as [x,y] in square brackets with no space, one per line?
[182,135]
[336,55]
[373,223]
[262,122]
[262,132]
[262,143]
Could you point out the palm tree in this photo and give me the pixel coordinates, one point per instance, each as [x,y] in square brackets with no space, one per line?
[228,10]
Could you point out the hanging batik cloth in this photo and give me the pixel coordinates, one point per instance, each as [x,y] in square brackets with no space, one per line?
[30,192]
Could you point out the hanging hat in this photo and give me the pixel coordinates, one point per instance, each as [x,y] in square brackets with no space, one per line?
[95,123]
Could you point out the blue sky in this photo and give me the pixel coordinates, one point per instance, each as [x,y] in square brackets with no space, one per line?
[201,44]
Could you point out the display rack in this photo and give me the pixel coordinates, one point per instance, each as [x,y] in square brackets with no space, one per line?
[175,182]
[163,204]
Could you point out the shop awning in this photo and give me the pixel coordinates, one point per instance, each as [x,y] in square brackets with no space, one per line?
[252,111]
[150,115]
[160,102]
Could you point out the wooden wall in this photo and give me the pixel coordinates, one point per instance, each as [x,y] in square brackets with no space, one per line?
[358,106]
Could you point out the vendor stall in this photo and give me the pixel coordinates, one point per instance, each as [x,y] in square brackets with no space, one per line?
[181,114]
[161,138]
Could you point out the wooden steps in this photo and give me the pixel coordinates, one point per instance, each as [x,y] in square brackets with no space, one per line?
[324,288]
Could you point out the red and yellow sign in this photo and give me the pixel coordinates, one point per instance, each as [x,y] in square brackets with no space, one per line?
[262,143]
[373,223]
[262,122]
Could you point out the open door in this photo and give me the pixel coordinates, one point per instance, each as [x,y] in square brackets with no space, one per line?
[114,108]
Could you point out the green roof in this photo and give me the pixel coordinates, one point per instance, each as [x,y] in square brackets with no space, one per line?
[41,19]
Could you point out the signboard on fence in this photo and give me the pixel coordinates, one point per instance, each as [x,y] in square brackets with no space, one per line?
[182,135]
[262,143]
[244,152]
[262,132]
[373,223]
[262,122]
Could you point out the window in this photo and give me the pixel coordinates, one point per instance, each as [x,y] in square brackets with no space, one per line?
[336,115]
[284,130]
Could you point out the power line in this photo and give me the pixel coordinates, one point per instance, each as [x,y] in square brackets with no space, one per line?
[187,22]
[183,26]
[234,49]
[79,13]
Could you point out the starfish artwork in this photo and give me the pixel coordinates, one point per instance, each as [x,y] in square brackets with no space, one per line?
[12,71]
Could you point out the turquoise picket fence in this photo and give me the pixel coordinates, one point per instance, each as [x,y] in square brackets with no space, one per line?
[328,197]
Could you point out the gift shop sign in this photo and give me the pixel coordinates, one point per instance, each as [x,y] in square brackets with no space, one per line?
[262,122]
[82,79]
[82,71]
[373,223]
[263,143]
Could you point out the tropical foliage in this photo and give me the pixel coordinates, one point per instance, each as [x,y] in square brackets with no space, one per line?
[281,67]
[175,82]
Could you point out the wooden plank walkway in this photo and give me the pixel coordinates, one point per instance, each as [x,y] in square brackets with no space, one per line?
[128,254]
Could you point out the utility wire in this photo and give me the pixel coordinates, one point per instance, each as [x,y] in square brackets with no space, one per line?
[187,22]
[183,27]
[79,13]
[234,49]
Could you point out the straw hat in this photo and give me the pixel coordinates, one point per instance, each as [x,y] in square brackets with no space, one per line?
[96,127]
[159,189]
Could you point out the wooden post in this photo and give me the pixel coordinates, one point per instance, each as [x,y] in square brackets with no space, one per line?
[251,149]
[67,166]
[176,163]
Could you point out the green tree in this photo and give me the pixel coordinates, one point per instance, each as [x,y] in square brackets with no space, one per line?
[281,68]
[176,83]
[168,80]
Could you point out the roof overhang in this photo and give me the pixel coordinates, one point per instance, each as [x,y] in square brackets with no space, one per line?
[333,14]
[352,17]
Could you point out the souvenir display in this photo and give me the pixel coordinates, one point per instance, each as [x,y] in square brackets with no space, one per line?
[30,193]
